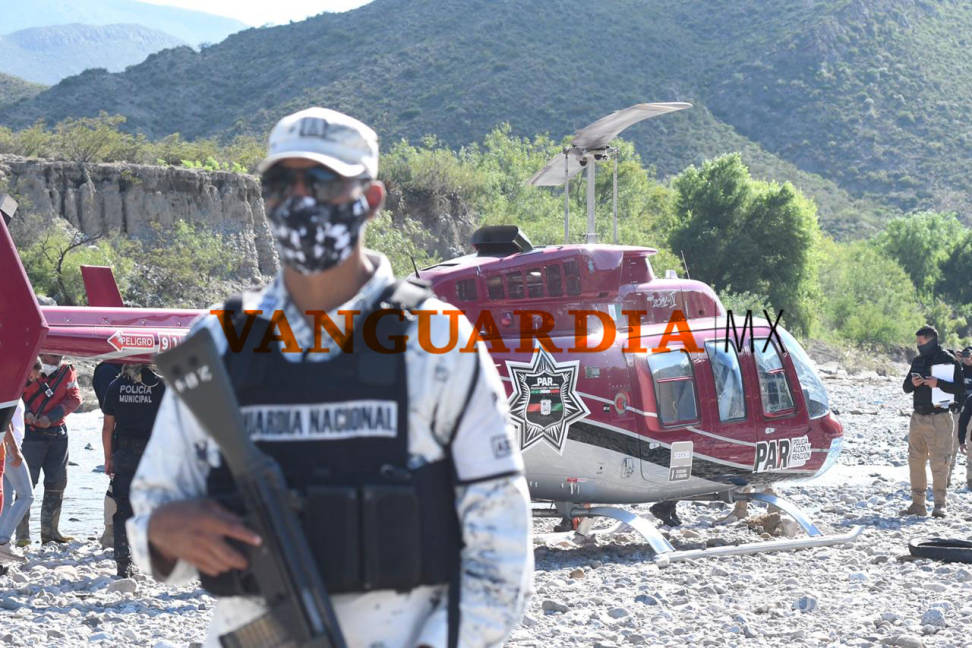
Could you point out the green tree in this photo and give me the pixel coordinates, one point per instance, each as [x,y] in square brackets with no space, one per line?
[869,298]
[53,261]
[93,139]
[921,243]
[397,241]
[955,282]
[754,236]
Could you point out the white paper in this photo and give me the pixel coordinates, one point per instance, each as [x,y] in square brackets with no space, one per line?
[944,372]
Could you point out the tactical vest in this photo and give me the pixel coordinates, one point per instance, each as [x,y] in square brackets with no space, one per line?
[375,518]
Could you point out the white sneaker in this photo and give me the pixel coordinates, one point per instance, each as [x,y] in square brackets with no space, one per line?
[9,554]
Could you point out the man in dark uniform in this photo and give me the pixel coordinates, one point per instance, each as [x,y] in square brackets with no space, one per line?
[965,417]
[103,376]
[935,380]
[48,400]
[130,406]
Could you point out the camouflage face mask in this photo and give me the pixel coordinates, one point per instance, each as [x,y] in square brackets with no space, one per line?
[313,236]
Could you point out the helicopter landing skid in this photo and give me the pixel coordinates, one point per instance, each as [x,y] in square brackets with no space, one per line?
[665,553]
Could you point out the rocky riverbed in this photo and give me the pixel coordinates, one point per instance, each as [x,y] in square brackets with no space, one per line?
[606,592]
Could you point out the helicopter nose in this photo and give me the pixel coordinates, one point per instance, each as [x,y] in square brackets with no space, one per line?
[831,426]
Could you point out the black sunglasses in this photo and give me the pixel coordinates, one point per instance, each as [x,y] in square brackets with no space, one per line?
[322,183]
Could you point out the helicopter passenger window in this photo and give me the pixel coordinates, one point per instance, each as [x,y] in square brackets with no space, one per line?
[555,286]
[674,387]
[572,274]
[494,287]
[534,282]
[514,285]
[773,388]
[728,380]
[466,290]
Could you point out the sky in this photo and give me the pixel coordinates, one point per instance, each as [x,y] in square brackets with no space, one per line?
[261,12]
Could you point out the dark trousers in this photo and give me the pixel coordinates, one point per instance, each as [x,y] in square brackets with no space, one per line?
[50,452]
[121,485]
[965,417]
[47,450]
[124,460]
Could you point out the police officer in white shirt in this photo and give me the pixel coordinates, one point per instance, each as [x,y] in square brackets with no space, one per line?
[435,424]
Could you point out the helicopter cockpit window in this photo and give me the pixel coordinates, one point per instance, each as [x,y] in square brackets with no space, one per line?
[466,290]
[773,388]
[555,286]
[818,403]
[572,274]
[534,282]
[514,285]
[494,287]
[674,387]
[728,380]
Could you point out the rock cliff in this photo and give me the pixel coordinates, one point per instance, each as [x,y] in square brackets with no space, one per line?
[133,199]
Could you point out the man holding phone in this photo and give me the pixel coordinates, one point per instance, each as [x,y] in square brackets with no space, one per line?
[935,382]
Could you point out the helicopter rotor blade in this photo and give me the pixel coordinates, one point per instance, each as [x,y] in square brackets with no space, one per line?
[599,134]
[553,174]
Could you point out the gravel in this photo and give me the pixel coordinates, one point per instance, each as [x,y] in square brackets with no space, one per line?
[605,592]
[841,596]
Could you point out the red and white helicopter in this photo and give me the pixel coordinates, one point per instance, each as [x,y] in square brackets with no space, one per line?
[625,387]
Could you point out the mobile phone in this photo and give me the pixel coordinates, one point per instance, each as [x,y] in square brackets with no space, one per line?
[915,374]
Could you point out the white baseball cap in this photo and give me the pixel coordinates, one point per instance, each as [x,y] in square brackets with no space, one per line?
[331,138]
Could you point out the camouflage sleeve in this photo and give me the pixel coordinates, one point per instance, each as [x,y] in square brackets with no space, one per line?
[497,564]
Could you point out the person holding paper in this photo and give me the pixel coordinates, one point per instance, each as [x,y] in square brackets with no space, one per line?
[935,382]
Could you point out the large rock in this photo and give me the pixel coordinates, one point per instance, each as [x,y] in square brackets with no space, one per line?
[133,199]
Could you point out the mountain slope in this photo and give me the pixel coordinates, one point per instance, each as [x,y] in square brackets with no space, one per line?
[48,54]
[193,27]
[784,86]
[13,89]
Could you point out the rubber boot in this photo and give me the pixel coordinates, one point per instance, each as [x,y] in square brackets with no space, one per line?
[51,516]
[125,568]
[123,556]
[108,537]
[23,531]
[565,524]
[665,511]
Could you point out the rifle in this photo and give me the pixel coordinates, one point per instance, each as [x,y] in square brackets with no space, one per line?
[301,615]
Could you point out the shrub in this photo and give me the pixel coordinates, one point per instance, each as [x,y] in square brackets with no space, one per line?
[870,299]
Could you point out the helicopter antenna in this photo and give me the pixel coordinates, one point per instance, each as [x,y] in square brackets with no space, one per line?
[415,267]
[566,197]
[685,265]
[591,236]
[615,198]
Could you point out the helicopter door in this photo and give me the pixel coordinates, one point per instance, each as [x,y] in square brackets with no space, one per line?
[782,434]
[673,380]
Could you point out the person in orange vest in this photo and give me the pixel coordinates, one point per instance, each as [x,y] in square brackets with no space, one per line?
[48,400]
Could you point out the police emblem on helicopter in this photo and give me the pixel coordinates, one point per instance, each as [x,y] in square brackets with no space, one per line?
[544,401]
